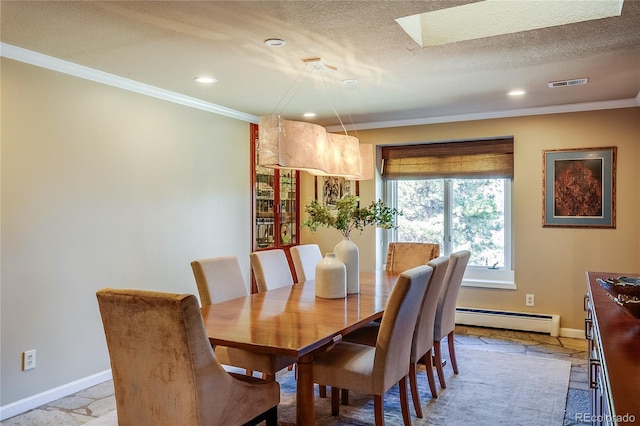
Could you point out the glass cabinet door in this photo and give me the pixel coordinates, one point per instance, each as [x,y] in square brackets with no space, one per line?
[265,207]
[288,207]
[276,216]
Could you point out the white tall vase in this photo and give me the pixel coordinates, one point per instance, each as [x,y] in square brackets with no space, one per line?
[331,278]
[349,254]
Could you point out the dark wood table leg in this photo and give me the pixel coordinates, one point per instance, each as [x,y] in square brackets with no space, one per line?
[305,404]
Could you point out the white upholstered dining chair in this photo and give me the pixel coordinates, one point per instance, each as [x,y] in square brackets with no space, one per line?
[445,321]
[375,369]
[164,370]
[271,269]
[220,279]
[305,258]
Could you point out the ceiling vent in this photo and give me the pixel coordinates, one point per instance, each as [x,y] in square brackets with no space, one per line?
[565,83]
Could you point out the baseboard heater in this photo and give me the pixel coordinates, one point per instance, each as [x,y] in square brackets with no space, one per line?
[543,323]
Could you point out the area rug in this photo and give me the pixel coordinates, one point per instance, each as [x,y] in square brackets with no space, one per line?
[492,388]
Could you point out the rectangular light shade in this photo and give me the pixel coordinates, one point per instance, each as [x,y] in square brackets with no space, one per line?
[367,162]
[342,157]
[285,144]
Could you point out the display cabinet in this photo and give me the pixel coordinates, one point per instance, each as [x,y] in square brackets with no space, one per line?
[276,212]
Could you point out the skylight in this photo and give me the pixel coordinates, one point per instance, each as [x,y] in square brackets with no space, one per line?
[496,17]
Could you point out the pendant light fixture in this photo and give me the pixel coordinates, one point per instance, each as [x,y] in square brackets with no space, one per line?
[308,147]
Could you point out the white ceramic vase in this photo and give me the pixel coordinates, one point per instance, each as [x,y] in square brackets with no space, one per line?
[331,278]
[349,254]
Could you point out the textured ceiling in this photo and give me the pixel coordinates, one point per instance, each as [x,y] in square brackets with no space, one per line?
[166,44]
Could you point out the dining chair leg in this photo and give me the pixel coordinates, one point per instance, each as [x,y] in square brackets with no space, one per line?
[378,410]
[335,401]
[452,351]
[272,417]
[344,396]
[438,359]
[428,363]
[322,391]
[404,401]
[413,384]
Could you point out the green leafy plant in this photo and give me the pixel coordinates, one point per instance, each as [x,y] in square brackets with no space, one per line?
[347,215]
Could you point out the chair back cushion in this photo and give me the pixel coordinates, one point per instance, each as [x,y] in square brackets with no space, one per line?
[164,369]
[159,354]
[445,321]
[393,346]
[219,279]
[271,269]
[305,258]
[402,256]
[423,334]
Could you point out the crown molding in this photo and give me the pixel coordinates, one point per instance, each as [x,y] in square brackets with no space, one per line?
[556,109]
[80,71]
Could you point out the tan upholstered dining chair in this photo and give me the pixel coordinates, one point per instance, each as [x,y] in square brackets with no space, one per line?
[422,342]
[445,321]
[271,269]
[305,258]
[375,369]
[405,255]
[220,279]
[164,370]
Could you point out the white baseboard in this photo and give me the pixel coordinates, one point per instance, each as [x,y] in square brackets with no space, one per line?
[574,333]
[24,405]
[545,323]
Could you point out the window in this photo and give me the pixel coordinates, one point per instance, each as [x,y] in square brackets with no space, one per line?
[459,207]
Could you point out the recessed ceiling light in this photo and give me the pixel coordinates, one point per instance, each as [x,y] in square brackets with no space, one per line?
[275,42]
[205,80]
[309,114]
[350,82]
[517,93]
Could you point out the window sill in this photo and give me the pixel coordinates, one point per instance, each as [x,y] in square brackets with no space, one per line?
[485,283]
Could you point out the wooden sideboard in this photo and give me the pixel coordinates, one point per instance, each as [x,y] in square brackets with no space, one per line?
[614,356]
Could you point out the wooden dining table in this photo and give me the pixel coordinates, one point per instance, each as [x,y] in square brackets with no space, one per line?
[292,321]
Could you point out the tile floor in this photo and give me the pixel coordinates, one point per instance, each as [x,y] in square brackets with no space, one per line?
[93,404]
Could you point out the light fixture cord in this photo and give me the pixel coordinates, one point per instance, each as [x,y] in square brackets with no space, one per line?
[293,83]
[335,111]
[335,83]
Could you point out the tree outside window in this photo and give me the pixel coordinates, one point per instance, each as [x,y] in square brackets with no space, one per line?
[458,214]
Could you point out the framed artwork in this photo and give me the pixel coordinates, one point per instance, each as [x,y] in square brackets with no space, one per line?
[579,188]
[330,189]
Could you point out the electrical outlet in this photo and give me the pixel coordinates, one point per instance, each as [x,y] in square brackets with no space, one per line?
[528,300]
[28,360]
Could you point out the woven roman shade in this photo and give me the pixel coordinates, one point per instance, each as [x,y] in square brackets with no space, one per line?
[487,158]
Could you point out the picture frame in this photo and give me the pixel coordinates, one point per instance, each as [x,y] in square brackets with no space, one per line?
[579,188]
[329,189]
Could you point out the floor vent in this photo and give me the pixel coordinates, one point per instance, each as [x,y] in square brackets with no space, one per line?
[543,323]
[565,83]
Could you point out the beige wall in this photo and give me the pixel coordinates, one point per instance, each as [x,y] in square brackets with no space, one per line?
[104,187]
[549,262]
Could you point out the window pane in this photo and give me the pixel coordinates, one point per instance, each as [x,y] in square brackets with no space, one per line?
[475,218]
[478,220]
[422,204]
